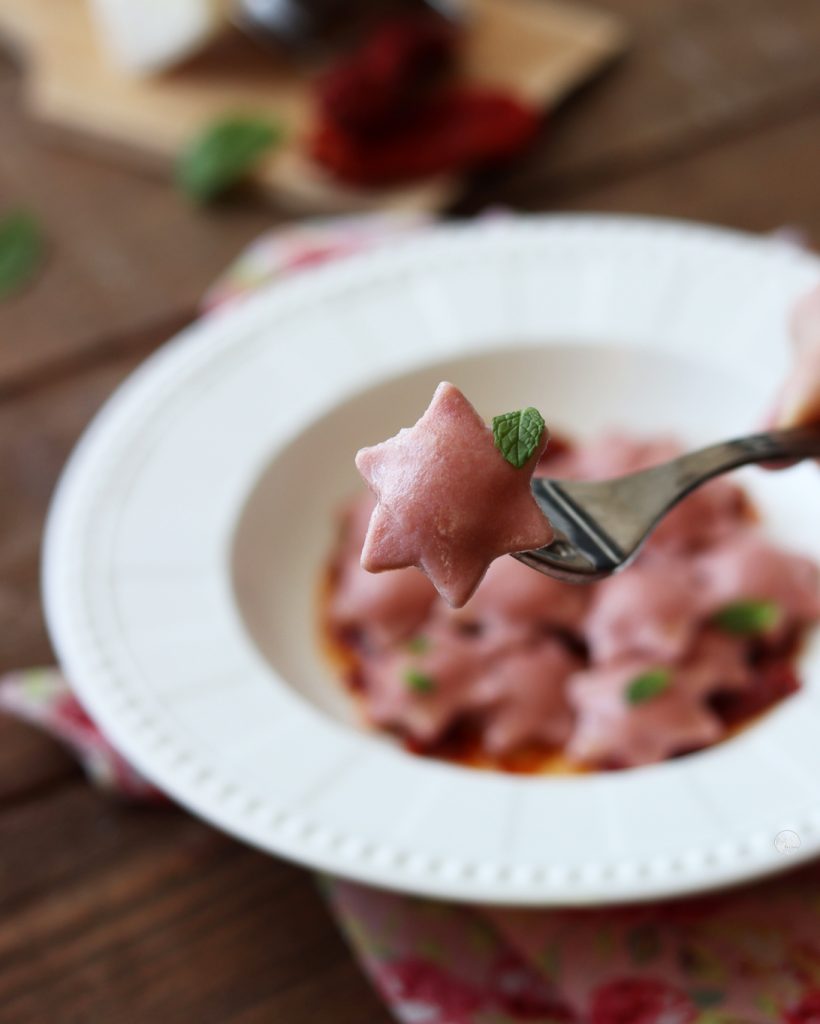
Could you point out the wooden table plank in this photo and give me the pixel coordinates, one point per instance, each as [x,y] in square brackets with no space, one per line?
[31,763]
[758,183]
[112,913]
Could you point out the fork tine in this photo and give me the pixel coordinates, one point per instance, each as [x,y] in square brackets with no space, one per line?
[582,550]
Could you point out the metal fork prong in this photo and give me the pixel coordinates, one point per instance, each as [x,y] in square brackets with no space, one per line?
[577,524]
[581,546]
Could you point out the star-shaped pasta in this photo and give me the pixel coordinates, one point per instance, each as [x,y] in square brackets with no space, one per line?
[448,500]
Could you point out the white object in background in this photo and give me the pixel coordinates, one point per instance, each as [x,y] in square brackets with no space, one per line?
[144,36]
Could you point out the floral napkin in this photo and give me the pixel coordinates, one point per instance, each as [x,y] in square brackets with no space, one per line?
[746,956]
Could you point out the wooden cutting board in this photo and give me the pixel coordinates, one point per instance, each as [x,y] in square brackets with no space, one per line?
[540,49]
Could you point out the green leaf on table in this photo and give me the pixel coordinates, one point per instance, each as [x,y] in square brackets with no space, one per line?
[748,617]
[648,685]
[419,682]
[518,434]
[21,250]
[223,154]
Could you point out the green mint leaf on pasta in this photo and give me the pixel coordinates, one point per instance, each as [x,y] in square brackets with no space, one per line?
[223,154]
[419,682]
[748,617]
[419,644]
[518,434]
[648,685]
[21,250]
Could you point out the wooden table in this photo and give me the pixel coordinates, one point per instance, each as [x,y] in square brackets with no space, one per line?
[110,913]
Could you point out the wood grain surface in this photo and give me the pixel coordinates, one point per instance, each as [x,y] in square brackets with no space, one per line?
[111,913]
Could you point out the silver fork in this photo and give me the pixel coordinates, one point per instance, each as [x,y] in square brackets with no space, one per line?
[600,526]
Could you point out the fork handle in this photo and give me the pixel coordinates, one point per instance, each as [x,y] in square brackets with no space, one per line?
[772,446]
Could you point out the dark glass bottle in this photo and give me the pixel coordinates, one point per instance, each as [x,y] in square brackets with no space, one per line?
[326,26]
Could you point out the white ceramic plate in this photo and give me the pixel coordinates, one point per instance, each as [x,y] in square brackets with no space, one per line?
[188,535]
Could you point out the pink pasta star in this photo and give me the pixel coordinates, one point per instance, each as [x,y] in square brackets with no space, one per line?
[448,501]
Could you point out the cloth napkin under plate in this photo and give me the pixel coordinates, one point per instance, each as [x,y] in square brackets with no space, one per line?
[747,956]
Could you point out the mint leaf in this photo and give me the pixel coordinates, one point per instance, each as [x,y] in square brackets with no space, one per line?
[748,617]
[223,154]
[648,685]
[418,682]
[644,943]
[21,250]
[706,997]
[518,434]
[419,644]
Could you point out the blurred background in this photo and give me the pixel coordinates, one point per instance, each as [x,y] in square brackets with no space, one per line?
[143,147]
